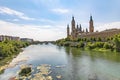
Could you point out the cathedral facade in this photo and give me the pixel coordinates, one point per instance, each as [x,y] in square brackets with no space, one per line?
[76,30]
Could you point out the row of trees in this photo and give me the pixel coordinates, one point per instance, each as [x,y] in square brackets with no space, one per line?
[9,48]
[112,43]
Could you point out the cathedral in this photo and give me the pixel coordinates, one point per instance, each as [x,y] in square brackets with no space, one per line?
[76,30]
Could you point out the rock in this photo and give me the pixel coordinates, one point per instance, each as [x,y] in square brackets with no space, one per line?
[49,78]
[38,76]
[12,78]
[29,77]
[44,69]
[43,73]
[50,72]
[59,76]
[58,66]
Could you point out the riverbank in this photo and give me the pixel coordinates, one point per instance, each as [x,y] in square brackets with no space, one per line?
[109,44]
[8,51]
[96,46]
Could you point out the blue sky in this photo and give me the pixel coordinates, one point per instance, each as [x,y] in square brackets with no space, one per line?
[47,19]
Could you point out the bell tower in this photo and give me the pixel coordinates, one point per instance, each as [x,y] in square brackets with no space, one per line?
[74,30]
[68,31]
[73,24]
[91,27]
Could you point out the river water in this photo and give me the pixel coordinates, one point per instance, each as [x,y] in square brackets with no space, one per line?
[78,64]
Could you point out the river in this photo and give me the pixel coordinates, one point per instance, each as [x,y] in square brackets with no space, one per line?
[78,64]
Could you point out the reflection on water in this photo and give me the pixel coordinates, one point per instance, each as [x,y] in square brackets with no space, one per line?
[79,64]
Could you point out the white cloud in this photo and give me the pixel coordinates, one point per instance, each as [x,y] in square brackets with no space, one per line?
[60,10]
[108,26]
[5,10]
[46,32]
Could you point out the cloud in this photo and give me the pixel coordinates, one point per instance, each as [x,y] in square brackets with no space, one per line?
[6,10]
[108,26]
[102,26]
[42,33]
[60,10]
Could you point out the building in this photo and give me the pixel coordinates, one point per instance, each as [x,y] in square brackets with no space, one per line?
[5,37]
[91,26]
[15,38]
[76,30]
[68,30]
[26,39]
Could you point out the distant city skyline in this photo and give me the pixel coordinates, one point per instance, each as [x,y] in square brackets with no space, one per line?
[48,19]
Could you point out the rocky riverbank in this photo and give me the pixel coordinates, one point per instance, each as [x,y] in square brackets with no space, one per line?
[14,62]
[9,50]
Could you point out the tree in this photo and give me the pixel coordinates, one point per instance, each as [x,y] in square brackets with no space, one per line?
[117,43]
[99,39]
[81,44]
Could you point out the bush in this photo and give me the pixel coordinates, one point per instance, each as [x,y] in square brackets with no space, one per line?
[66,44]
[117,44]
[99,44]
[81,44]
[9,48]
[25,71]
[79,39]
[107,45]
[90,45]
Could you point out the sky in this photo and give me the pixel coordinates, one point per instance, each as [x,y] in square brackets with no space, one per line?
[46,20]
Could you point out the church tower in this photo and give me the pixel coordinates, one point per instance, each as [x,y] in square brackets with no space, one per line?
[91,27]
[86,30]
[73,24]
[68,31]
[80,29]
[74,30]
[77,28]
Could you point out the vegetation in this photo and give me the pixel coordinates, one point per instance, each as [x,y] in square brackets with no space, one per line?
[8,50]
[117,43]
[25,71]
[111,44]
[2,71]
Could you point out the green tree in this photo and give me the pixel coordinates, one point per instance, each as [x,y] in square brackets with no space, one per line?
[117,43]
[81,44]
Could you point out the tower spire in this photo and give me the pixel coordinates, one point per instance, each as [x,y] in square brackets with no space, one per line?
[73,24]
[91,18]
[91,27]
[86,30]
[77,27]
[68,30]
[80,28]
[73,18]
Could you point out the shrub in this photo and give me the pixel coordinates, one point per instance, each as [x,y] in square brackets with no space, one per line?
[25,71]
[81,44]
[107,45]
